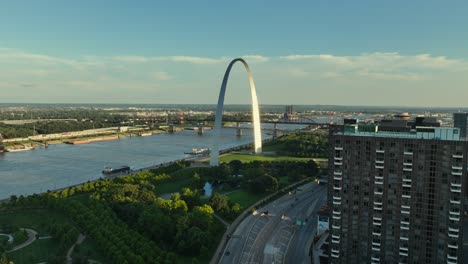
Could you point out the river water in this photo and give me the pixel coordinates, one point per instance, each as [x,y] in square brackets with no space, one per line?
[63,165]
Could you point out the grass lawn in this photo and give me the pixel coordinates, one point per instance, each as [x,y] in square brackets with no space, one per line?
[173,186]
[283,180]
[244,198]
[3,239]
[38,251]
[245,157]
[36,219]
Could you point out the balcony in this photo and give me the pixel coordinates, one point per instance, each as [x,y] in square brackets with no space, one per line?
[454,202]
[379,161]
[403,248]
[454,184]
[379,166]
[377,244]
[408,153]
[407,169]
[451,262]
[378,192]
[402,253]
[375,248]
[450,257]
[376,234]
[380,151]
[457,213]
[407,180]
[338,188]
[453,245]
[405,207]
[455,189]
[377,223]
[378,208]
[404,222]
[339,173]
[453,235]
[408,164]
[338,178]
[406,196]
[337,202]
[457,168]
[378,203]
[454,218]
[378,177]
[338,163]
[404,238]
[375,259]
[405,212]
[336,212]
[338,148]
[457,173]
[407,185]
[335,255]
[457,156]
[404,227]
[339,158]
[336,217]
[454,230]
[337,198]
[336,227]
[378,181]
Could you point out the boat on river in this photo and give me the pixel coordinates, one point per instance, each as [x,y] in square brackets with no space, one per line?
[109,170]
[198,151]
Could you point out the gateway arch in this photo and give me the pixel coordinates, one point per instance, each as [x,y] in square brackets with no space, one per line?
[214,161]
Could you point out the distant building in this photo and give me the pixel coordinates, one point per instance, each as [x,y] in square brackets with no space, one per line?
[289,113]
[323,219]
[460,120]
[396,192]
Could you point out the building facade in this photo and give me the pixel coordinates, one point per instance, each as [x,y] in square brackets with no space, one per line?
[396,194]
[460,120]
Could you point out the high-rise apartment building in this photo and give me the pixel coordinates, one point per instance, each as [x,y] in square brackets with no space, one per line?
[460,120]
[396,192]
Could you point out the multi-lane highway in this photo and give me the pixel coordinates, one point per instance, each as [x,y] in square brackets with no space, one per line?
[272,235]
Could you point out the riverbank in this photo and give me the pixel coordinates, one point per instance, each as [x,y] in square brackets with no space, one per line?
[52,139]
[193,159]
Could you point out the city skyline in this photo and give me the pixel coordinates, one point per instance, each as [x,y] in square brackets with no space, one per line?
[320,53]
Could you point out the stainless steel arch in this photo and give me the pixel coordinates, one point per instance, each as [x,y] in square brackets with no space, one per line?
[214,161]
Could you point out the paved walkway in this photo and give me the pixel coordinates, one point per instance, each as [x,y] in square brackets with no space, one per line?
[80,239]
[10,237]
[221,219]
[31,237]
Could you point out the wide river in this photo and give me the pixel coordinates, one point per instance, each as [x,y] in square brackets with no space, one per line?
[63,165]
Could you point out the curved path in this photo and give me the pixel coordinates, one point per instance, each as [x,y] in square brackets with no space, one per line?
[79,240]
[31,237]
[10,237]
[273,238]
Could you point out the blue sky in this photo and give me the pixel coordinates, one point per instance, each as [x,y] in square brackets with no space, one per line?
[320,52]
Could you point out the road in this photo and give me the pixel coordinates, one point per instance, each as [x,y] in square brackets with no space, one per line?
[31,238]
[274,238]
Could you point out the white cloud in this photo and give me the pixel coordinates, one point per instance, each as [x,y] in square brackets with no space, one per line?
[195,60]
[31,75]
[161,76]
[255,58]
